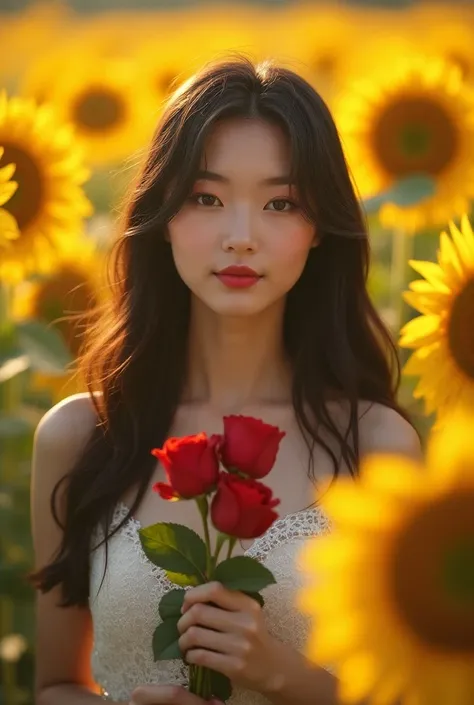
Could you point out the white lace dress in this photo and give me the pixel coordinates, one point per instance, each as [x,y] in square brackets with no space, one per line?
[125,609]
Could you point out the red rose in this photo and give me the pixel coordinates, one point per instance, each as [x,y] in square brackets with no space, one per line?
[242,507]
[249,445]
[191,465]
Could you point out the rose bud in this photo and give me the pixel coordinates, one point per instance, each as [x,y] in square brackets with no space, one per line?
[242,507]
[191,466]
[249,445]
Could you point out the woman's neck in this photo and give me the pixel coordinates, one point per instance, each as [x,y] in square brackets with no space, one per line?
[236,362]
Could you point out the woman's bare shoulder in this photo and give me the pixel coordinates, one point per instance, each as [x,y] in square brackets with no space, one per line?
[384,430]
[68,424]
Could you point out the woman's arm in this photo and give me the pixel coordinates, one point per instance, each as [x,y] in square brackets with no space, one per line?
[301,682]
[383,430]
[63,635]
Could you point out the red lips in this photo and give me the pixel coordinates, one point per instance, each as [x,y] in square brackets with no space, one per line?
[239,270]
[238,277]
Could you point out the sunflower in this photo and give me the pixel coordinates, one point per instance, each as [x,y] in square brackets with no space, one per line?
[26,35]
[443,337]
[49,204]
[414,117]
[8,225]
[109,105]
[447,32]
[394,592]
[76,285]
[315,41]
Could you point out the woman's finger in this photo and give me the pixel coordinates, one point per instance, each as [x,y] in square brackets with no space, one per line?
[232,600]
[207,616]
[230,666]
[166,695]
[197,637]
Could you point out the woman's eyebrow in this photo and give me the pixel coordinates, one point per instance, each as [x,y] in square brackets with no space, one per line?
[283,180]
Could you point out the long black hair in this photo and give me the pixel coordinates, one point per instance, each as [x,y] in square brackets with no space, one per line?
[136,349]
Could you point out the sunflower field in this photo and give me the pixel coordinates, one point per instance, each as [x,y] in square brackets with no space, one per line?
[81,89]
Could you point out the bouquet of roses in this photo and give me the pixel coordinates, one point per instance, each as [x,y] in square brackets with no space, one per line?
[222,475]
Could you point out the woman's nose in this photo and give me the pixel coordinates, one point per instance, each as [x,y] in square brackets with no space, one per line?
[240,236]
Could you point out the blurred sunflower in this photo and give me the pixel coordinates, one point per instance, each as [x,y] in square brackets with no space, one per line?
[443,337]
[413,117]
[315,41]
[394,591]
[49,204]
[26,35]
[76,286]
[446,31]
[8,225]
[108,104]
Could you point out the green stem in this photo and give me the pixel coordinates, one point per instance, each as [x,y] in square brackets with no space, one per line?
[402,250]
[232,542]
[204,511]
[221,539]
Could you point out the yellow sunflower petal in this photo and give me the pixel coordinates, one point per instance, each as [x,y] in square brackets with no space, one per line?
[464,247]
[7,171]
[8,228]
[450,260]
[391,475]
[427,303]
[422,330]
[431,272]
[7,191]
[358,675]
[451,451]
[346,505]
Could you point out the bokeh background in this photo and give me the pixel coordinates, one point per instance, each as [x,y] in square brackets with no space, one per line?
[82,84]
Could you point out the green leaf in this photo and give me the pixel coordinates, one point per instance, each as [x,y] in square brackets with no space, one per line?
[257,597]
[171,603]
[221,687]
[183,579]
[44,346]
[175,548]
[243,573]
[405,192]
[165,641]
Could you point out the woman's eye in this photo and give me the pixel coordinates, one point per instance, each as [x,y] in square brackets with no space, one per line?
[280,203]
[204,199]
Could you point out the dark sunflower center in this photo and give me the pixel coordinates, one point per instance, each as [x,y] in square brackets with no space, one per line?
[414,135]
[66,292]
[461,330]
[432,574]
[27,201]
[98,110]
[458,571]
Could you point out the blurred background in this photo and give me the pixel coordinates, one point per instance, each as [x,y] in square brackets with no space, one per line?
[82,84]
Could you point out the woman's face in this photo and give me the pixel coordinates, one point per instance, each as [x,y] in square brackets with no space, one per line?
[242,212]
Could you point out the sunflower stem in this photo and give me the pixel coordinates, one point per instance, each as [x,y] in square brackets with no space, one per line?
[402,251]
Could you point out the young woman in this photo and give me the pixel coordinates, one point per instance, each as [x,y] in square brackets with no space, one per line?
[245,171]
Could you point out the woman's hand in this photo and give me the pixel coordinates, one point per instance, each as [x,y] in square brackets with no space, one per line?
[166,695]
[229,637]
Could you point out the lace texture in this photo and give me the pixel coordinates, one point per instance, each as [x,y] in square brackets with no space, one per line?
[125,608]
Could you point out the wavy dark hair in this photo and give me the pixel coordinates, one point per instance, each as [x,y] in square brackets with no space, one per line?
[136,349]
